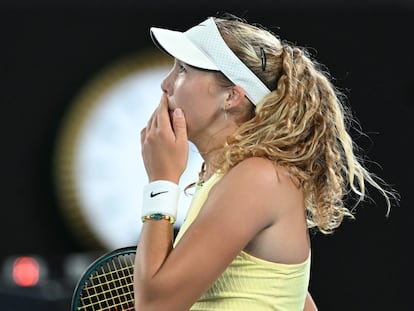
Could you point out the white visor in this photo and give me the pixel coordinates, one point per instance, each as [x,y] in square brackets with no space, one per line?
[203,47]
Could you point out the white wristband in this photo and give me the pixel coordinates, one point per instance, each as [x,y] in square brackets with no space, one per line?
[160,197]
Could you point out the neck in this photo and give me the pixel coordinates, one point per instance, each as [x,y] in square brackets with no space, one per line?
[213,138]
[210,141]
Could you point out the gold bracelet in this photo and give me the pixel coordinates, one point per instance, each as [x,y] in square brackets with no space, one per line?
[158,216]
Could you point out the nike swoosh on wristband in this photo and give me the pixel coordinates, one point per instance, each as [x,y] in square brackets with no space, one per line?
[152,194]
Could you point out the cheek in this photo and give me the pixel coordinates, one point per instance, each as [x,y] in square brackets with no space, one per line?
[200,115]
[189,96]
[182,94]
[197,101]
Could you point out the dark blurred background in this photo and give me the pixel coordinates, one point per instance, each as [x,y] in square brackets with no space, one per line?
[50,49]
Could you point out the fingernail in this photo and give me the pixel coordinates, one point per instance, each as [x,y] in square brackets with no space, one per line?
[178,112]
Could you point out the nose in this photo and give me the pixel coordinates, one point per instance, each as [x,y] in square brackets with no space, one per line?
[163,87]
[166,84]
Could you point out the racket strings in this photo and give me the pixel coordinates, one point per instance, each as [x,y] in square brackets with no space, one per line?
[110,288]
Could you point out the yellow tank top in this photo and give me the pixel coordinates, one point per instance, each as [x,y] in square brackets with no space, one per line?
[250,283]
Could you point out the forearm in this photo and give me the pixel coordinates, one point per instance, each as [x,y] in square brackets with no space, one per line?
[309,303]
[153,248]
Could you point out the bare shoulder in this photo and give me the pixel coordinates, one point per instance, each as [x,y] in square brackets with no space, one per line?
[270,186]
[262,173]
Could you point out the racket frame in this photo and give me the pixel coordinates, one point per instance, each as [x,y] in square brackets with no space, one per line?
[93,267]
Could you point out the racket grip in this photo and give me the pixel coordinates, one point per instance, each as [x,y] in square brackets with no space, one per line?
[160,197]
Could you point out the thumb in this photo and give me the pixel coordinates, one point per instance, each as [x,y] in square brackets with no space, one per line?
[179,124]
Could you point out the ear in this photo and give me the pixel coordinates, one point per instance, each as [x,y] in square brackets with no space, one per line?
[236,95]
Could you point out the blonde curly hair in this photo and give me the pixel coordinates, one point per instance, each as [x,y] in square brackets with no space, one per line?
[301,125]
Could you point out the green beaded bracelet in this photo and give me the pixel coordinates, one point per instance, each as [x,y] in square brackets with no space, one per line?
[158,216]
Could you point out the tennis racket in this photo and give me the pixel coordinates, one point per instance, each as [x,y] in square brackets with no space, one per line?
[107,284]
